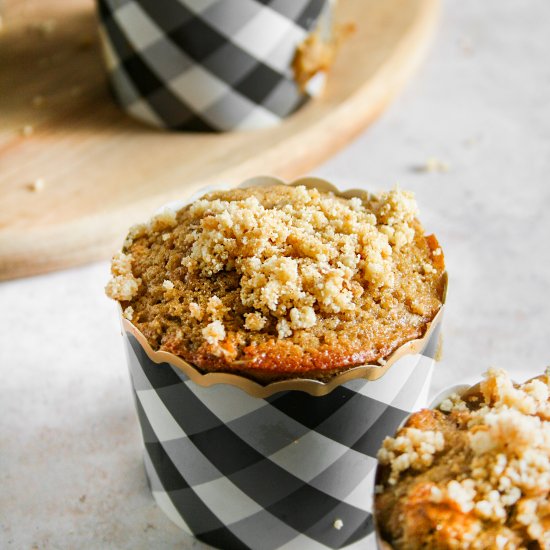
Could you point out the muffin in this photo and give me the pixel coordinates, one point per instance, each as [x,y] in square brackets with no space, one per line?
[472,474]
[281,282]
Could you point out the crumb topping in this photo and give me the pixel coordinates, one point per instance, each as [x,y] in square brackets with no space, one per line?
[503,439]
[254,321]
[123,286]
[214,332]
[128,313]
[412,449]
[316,271]
[303,255]
[196,311]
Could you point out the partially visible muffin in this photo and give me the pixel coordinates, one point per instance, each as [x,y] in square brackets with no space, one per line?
[281,282]
[473,474]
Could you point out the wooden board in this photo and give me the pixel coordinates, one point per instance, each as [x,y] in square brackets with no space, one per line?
[103,172]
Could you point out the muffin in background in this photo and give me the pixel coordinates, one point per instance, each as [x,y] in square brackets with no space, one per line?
[281,282]
[473,473]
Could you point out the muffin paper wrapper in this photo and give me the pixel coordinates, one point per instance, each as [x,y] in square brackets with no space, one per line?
[286,465]
[214,65]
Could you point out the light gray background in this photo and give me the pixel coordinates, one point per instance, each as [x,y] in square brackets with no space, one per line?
[70,467]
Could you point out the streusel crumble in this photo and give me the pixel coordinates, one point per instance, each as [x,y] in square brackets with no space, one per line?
[474,474]
[281,282]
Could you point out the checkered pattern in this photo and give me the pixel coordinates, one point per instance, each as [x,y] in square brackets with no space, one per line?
[239,472]
[207,65]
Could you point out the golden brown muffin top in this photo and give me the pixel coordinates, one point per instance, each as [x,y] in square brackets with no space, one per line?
[474,474]
[281,282]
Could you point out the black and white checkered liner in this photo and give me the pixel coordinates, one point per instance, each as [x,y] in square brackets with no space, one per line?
[241,472]
[203,65]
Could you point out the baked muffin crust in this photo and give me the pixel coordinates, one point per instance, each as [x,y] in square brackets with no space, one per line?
[281,282]
[474,474]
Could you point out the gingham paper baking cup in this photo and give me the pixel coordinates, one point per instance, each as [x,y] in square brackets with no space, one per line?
[209,65]
[291,470]
[287,465]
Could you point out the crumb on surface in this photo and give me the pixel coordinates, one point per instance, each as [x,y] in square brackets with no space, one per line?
[46,27]
[27,130]
[434,165]
[338,524]
[37,185]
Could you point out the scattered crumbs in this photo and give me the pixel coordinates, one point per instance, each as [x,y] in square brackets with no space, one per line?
[36,185]
[27,130]
[434,165]
[45,28]
[37,100]
[82,499]
[167,285]
[465,43]
[338,524]
[149,526]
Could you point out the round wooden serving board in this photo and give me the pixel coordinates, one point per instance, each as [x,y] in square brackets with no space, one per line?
[102,171]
